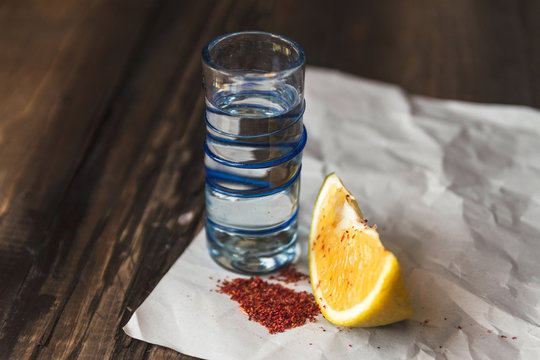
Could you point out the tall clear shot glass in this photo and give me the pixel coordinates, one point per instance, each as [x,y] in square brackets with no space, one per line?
[254,89]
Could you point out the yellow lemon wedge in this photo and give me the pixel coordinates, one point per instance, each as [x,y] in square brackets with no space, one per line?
[355,280]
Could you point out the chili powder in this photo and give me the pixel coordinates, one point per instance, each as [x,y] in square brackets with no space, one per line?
[288,274]
[272,305]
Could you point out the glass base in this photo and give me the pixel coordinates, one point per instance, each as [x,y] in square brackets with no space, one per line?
[252,252]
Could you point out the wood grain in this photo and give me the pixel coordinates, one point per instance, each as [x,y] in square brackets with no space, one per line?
[52,107]
[101,135]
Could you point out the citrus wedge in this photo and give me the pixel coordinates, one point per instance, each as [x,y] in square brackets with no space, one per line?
[355,280]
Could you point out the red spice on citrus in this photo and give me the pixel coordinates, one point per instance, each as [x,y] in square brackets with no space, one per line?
[276,307]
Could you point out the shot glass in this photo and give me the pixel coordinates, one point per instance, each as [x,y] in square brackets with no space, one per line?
[254,90]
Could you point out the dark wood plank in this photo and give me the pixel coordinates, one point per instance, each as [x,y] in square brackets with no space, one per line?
[466,50]
[60,66]
[529,13]
[69,278]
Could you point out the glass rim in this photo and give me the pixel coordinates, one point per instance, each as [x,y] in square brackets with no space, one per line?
[271,74]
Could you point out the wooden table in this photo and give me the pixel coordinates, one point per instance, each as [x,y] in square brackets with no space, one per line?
[101,135]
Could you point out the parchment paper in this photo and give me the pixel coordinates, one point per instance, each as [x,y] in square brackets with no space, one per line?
[454,188]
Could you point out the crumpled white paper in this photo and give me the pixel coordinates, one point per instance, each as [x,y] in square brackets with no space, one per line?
[454,188]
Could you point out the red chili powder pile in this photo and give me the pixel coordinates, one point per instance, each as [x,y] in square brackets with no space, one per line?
[272,305]
[288,274]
